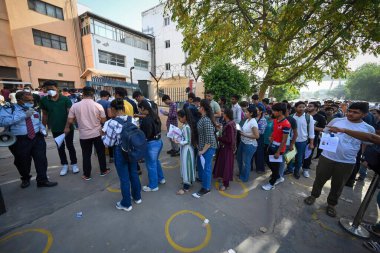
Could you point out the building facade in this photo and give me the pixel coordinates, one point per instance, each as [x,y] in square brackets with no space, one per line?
[169,56]
[116,53]
[40,40]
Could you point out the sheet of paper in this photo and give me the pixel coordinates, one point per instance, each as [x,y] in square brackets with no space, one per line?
[238,127]
[174,133]
[272,159]
[59,140]
[308,152]
[202,161]
[329,143]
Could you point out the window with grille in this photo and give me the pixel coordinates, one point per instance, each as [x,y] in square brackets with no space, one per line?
[45,8]
[111,58]
[49,40]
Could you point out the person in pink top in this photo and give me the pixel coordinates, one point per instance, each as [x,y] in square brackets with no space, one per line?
[90,116]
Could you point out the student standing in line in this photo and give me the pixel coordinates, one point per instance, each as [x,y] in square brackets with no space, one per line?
[260,152]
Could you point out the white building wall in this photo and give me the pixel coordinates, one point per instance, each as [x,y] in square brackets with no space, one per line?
[130,53]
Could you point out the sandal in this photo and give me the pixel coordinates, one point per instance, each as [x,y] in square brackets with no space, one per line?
[181,192]
[372,246]
[309,200]
[330,211]
[370,228]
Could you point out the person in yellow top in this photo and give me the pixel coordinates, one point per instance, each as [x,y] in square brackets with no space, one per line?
[128,108]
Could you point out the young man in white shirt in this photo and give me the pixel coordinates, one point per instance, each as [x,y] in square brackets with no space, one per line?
[339,165]
[236,109]
[305,137]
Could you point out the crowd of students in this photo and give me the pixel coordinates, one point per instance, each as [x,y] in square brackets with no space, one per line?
[258,134]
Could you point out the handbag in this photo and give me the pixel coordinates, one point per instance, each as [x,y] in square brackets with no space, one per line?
[290,155]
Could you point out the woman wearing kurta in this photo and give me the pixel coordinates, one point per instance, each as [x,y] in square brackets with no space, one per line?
[189,139]
[206,146]
[224,164]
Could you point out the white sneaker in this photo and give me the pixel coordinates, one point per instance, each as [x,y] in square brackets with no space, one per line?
[163,181]
[138,201]
[267,187]
[64,170]
[279,181]
[306,173]
[148,189]
[120,207]
[75,168]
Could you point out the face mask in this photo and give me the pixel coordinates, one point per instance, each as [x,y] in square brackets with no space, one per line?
[28,105]
[52,93]
[27,90]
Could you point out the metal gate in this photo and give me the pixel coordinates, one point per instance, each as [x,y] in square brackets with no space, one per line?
[176,94]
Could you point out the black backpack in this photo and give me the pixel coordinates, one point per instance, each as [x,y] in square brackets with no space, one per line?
[133,140]
[372,157]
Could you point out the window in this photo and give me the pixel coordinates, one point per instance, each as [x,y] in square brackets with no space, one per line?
[167,66]
[111,58]
[49,40]
[166,21]
[45,8]
[167,43]
[140,64]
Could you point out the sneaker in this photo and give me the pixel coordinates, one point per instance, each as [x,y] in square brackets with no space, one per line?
[138,201]
[120,207]
[64,170]
[201,193]
[279,181]
[267,187]
[297,175]
[105,173]
[86,178]
[25,183]
[148,189]
[163,181]
[75,168]
[306,173]
[111,160]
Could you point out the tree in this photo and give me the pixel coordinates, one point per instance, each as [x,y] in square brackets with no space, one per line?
[285,92]
[286,42]
[364,83]
[338,92]
[226,79]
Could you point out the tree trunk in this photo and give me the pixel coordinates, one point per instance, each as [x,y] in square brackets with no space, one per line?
[263,89]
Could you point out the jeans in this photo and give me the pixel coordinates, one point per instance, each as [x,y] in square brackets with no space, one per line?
[259,155]
[205,173]
[153,165]
[283,164]
[274,167]
[86,145]
[129,179]
[295,166]
[70,146]
[244,157]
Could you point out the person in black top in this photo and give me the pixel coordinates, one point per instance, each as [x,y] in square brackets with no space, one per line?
[133,103]
[320,123]
[151,126]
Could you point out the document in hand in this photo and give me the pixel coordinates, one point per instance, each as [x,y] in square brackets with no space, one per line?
[290,155]
[329,142]
[175,133]
[272,159]
[59,140]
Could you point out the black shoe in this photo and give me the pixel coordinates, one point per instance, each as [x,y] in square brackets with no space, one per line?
[175,153]
[288,172]
[169,152]
[297,175]
[25,183]
[46,184]
[198,179]
[350,183]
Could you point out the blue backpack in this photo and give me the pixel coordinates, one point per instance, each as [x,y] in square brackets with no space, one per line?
[133,140]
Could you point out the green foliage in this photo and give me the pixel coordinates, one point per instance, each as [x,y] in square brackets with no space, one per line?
[338,92]
[364,83]
[226,79]
[287,92]
[289,41]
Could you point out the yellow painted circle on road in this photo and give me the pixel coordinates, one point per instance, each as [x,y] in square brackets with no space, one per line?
[234,196]
[114,190]
[169,167]
[31,230]
[179,247]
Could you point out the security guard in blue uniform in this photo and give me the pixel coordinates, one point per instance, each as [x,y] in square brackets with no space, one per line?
[25,123]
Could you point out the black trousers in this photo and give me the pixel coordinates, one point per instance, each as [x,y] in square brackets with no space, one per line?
[86,145]
[275,167]
[24,150]
[69,138]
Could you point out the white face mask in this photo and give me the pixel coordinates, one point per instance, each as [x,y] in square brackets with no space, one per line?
[52,93]
[27,90]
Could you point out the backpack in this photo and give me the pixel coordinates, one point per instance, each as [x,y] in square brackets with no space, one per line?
[133,141]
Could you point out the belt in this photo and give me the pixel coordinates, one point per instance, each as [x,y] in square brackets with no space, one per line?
[276,143]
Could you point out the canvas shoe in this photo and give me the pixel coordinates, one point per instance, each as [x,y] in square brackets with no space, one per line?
[105,173]
[306,173]
[139,201]
[75,168]
[201,193]
[120,207]
[279,181]
[148,189]
[64,170]
[163,181]
[267,187]
[86,178]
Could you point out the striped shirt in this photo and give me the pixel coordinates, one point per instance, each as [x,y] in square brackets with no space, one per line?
[206,133]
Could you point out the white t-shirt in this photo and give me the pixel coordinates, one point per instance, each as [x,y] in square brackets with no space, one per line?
[348,147]
[247,128]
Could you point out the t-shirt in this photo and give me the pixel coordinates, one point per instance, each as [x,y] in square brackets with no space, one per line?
[319,121]
[214,106]
[348,147]
[57,112]
[87,113]
[293,125]
[247,128]
[279,129]
[105,103]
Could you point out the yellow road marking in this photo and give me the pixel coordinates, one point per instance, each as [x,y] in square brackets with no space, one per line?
[37,230]
[234,196]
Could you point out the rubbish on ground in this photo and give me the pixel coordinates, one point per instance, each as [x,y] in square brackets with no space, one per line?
[205,222]
[263,229]
[79,214]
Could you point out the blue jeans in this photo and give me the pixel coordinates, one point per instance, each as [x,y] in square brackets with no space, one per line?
[153,165]
[363,172]
[283,164]
[205,173]
[295,166]
[129,179]
[244,158]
